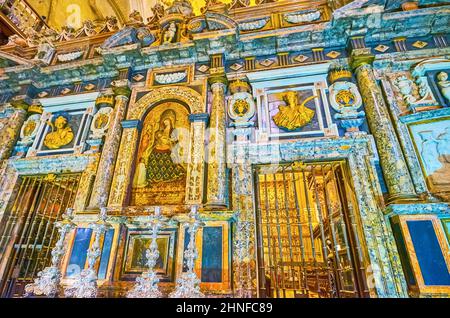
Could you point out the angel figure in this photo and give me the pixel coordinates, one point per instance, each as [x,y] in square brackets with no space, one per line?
[170,33]
[293,116]
[444,85]
[158,162]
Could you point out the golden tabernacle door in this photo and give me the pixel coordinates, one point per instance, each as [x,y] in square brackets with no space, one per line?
[307,241]
[28,232]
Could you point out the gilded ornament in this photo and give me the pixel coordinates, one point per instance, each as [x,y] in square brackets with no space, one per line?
[294,116]
[346,98]
[61,134]
[241,107]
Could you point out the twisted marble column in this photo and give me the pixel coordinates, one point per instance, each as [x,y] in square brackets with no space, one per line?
[105,171]
[216,186]
[11,121]
[395,170]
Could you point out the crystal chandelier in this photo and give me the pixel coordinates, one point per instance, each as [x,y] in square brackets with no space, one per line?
[85,286]
[49,279]
[188,284]
[147,284]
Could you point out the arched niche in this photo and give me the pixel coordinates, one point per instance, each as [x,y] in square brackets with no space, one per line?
[187,96]
[162,155]
[128,161]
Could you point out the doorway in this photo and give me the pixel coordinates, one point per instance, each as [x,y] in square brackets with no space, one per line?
[28,232]
[307,239]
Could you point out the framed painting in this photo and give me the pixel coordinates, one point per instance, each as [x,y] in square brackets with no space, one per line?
[426,255]
[138,241]
[432,142]
[80,241]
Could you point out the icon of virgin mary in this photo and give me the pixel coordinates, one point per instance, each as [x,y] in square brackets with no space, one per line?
[159,161]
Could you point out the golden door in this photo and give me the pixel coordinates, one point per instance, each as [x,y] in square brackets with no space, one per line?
[307,242]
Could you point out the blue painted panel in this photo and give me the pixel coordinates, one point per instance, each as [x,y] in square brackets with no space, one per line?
[106,251]
[212,255]
[429,254]
[79,252]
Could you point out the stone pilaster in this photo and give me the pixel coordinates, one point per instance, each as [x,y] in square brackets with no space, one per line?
[105,171]
[196,164]
[123,172]
[244,247]
[217,183]
[12,117]
[395,171]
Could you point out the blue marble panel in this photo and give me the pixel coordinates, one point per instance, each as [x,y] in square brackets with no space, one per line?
[403,253]
[106,251]
[79,252]
[212,255]
[429,254]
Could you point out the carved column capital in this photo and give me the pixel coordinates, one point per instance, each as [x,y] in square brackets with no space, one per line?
[132,124]
[121,88]
[218,81]
[21,102]
[360,57]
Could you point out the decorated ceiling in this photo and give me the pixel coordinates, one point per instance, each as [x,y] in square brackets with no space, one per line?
[59,13]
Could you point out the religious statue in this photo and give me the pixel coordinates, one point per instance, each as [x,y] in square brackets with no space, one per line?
[160,161]
[293,116]
[136,17]
[441,176]
[444,85]
[158,13]
[444,144]
[170,33]
[429,152]
[60,135]
[183,7]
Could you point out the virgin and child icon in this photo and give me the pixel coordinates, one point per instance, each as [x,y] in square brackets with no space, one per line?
[163,152]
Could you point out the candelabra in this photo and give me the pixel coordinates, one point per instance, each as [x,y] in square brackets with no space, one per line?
[188,283]
[49,278]
[85,286]
[147,284]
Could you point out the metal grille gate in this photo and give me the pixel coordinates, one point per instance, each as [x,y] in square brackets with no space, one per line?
[307,242]
[28,233]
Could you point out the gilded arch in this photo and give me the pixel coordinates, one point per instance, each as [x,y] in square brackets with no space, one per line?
[188,96]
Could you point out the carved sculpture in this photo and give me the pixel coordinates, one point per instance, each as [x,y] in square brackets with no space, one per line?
[169,34]
[294,116]
[444,85]
[183,7]
[60,135]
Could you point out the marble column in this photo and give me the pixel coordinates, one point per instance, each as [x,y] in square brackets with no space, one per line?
[217,183]
[395,170]
[105,170]
[12,117]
